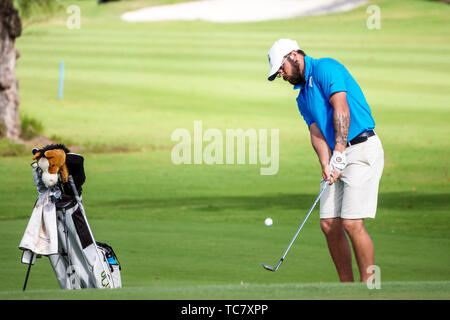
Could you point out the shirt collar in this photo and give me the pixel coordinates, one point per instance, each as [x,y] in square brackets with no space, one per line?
[308,64]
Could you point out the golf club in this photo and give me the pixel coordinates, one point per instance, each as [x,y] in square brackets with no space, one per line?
[267,267]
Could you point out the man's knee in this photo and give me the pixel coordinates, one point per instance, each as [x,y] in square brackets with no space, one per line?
[352,226]
[331,226]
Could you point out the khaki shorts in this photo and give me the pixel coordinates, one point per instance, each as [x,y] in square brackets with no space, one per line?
[355,194]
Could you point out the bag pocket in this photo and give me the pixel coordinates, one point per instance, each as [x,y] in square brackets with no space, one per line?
[113,263]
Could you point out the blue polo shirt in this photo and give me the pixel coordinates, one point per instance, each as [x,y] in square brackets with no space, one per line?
[324,77]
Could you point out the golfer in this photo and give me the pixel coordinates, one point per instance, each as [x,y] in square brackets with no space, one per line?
[342,134]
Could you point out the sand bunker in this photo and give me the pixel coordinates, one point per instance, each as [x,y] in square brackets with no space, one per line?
[240,10]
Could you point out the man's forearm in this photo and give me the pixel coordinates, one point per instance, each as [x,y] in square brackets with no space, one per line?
[341,120]
[320,145]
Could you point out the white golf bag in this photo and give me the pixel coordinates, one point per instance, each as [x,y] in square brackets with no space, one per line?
[79,261]
[82,262]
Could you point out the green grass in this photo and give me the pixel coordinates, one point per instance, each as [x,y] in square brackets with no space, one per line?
[30,127]
[11,148]
[197,232]
[285,291]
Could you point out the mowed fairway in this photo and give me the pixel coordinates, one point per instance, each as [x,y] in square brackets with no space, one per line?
[197,231]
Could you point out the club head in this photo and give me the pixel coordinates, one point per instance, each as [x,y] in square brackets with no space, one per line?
[265,266]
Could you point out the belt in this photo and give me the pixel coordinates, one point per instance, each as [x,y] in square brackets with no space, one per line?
[361,138]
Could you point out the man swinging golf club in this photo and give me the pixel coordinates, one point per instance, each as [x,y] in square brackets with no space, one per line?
[350,153]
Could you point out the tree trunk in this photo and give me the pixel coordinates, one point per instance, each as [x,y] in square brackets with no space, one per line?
[10,29]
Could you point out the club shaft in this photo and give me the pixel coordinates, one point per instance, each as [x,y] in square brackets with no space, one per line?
[306,218]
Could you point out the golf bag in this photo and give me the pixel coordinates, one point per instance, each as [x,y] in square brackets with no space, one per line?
[80,262]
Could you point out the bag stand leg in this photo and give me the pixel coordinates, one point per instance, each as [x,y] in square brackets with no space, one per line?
[28,272]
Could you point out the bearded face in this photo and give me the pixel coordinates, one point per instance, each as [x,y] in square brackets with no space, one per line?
[294,75]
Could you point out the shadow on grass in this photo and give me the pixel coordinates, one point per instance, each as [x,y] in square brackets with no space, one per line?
[394,200]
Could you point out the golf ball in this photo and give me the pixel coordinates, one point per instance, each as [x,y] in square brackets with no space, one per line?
[268,222]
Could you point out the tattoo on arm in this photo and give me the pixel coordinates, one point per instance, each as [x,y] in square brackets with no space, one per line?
[341,123]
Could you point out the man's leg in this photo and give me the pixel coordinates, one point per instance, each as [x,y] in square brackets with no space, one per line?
[362,245]
[339,247]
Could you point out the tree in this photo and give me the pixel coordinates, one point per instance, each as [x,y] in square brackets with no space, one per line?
[10,29]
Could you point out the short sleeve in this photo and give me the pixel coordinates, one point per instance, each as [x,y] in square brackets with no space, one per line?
[304,111]
[331,77]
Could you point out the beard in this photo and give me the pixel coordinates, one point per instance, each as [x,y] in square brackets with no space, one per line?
[296,77]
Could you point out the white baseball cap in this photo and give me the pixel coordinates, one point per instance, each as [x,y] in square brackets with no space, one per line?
[276,54]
